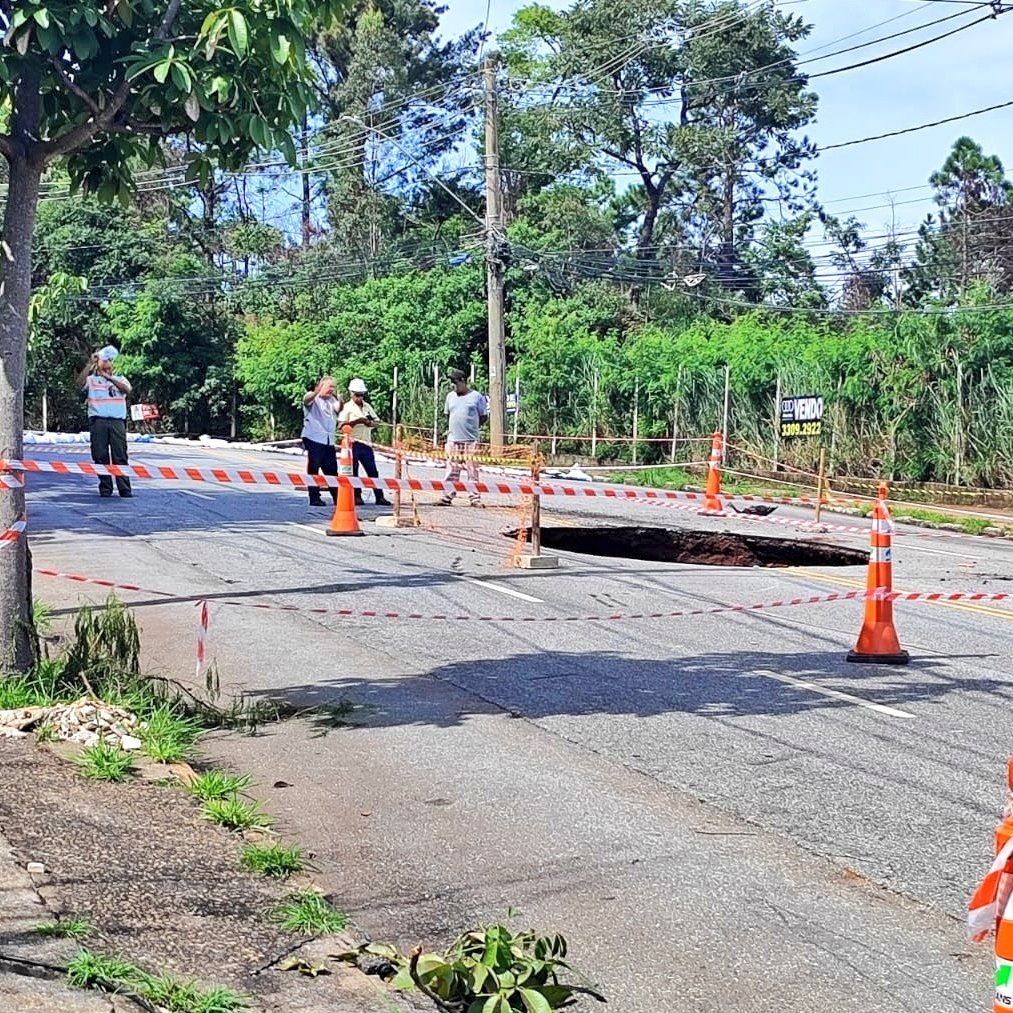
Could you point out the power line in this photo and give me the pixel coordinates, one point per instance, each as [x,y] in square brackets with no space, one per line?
[921,126]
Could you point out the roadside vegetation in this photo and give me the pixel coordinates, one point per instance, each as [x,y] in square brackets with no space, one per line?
[107,973]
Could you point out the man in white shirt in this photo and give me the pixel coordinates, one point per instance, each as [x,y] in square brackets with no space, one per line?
[358,413]
[466,410]
[107,417]
[320,410]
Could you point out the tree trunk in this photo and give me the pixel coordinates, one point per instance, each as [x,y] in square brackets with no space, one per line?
[15,286]
[646,238]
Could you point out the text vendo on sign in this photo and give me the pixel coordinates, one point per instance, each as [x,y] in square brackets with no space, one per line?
[802,416]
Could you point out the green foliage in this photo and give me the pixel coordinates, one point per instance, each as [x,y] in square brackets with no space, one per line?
[104,654]
[65,928]
[215,785]
[104,761]
[42,617]
[307,913]
[112,974]
[169,735]
[409,320]
[177,350]
[232,79]
[496,970]
[235,814]
[275,860]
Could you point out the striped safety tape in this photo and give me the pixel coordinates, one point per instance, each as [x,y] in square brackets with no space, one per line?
[13,533]
[878,593]
[293,480]
[788,522]
[202,634]
[11,480]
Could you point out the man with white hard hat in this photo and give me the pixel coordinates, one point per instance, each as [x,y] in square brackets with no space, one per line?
[358,413]
[107,416]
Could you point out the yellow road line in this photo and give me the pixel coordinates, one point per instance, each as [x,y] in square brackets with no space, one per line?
[963,606]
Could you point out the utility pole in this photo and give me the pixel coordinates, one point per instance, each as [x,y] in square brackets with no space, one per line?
[307,199]
[493,260]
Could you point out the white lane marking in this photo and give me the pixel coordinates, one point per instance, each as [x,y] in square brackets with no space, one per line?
[909,547]
[198,495]
[505,590]
[834,694]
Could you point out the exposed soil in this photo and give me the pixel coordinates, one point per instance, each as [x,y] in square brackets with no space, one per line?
[704,548]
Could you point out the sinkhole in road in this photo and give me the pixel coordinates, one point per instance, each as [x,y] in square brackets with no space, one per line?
[704,548]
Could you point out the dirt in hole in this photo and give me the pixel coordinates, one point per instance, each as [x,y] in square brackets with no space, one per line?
[705,548]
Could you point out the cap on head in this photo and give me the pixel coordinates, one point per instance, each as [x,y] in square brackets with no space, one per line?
[457,376]
[357,386]
[107,354]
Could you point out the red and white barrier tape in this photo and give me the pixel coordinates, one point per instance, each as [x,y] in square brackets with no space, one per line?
[789,522]
[293,480]
[879,593]
[202,633]
[13,533]
[11,480]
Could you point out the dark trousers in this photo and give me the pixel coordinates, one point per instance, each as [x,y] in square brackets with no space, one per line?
[109,446]
[321,459]
[362,454]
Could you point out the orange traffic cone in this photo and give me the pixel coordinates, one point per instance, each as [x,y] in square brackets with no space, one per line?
[1004,831]
[877,642]
[991,910]
[712,505]
[1003,1001]
[344,521]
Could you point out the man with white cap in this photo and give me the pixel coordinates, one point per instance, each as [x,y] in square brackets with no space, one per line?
[107,416]
[358,413]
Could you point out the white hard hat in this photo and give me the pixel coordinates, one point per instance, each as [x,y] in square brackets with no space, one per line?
[357,386]
[108,353]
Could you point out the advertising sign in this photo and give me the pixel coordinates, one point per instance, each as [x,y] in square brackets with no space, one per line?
[801,416]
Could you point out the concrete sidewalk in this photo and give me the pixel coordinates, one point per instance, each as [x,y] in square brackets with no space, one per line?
[161,888]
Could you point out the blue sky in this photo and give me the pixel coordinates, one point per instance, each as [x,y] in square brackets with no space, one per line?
[967,71]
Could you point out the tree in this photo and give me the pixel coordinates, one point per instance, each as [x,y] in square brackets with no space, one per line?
[100,85]
[971,241]
[393,92]
[697,100]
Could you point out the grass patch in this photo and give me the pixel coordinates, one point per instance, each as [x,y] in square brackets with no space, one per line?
[657,478]
[189,997]
[46,732]
[306,913]
[104,762]
[969,525]
[42,617]
[67,928]
[99,970]
[275,860]
[89,970]
[169,736]
[216,784]
[235,814]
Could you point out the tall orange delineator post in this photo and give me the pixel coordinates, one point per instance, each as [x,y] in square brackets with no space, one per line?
[344,520]
[712,505]
[877,641]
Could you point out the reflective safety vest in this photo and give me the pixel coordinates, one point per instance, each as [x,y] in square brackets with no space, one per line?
[104,400]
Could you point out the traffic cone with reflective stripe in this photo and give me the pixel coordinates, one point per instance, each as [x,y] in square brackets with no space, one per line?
[344,520]
[877,642]
[712,505]
[1003,1000]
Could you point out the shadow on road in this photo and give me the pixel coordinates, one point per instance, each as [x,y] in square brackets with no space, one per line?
[720,684]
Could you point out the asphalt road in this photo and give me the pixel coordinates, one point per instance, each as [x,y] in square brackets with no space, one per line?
[717,810]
